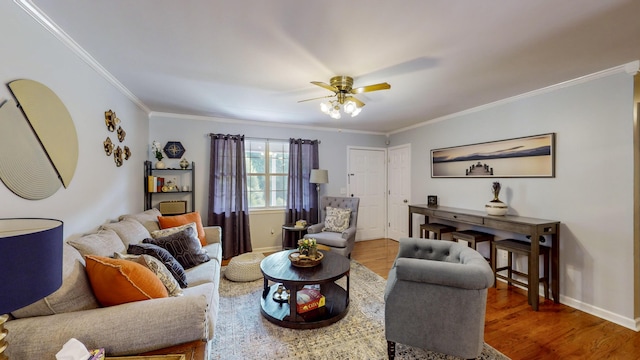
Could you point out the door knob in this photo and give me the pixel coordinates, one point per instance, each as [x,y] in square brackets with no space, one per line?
[405,201]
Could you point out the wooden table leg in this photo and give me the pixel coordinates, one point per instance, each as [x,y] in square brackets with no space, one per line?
[534,270]
[555,266]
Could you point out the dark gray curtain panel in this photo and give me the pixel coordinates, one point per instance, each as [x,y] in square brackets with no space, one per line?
[228,204]
[302,197]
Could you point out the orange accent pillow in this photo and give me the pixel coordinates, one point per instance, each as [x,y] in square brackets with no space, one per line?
[119,281]
[178,220]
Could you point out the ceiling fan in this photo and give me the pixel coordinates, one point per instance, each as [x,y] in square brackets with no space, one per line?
[342,87]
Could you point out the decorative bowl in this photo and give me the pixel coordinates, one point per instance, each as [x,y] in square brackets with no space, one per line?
[300,260]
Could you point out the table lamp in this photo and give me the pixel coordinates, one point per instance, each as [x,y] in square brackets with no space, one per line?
[318,177]
[30,265]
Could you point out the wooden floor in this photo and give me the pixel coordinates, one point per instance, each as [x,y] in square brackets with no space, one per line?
[511,326]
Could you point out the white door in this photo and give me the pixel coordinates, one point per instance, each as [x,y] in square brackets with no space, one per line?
[399,179]
[367,180]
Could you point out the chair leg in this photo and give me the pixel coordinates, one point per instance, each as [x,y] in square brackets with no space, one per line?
[391,349]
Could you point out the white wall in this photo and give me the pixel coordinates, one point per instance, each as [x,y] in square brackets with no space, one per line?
[99,191]
[193,133]
[592,193]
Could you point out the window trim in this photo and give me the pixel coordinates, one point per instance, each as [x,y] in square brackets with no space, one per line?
[267,174]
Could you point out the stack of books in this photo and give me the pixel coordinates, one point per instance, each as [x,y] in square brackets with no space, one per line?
[154,183]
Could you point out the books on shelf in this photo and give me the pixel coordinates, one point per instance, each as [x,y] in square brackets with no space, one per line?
[154,183]
[309,298]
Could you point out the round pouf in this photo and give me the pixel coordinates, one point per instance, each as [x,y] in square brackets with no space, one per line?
[245,267]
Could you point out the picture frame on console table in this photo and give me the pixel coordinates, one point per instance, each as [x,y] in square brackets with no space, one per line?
[526,157]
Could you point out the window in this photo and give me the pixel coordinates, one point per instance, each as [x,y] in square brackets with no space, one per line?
[267,172]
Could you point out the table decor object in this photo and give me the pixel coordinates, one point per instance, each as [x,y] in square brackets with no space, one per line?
[495,206]
[299,260]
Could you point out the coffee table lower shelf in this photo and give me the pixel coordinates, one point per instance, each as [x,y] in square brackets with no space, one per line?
[336,306]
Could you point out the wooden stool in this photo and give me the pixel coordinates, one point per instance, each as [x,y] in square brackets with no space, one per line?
[522,248]
[473,237]
[436,229]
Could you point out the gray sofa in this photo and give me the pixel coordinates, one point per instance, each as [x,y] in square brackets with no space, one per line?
[39,330]
[436,297]
[339,242]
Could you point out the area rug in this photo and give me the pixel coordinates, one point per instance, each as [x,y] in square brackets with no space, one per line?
[243,333]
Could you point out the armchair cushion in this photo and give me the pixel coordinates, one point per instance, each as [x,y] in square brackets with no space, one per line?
[337,219]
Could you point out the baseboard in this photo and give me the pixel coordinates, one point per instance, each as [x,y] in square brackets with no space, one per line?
[633,324]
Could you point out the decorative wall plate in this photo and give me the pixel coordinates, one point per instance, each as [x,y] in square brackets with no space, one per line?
[174,149]
[121,134]
[117,156]
[108,146]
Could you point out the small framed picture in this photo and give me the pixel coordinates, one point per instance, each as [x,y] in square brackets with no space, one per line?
[432,200]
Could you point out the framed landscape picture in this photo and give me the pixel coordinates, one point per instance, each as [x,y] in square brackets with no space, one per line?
[531,156]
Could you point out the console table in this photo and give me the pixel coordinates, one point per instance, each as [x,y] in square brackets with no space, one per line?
[534,228]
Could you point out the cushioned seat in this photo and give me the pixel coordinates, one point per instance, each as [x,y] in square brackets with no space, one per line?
[245,267]
[436,297]
[333,230]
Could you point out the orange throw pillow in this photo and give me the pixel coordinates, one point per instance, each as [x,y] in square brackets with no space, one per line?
[119,281]
[177,220]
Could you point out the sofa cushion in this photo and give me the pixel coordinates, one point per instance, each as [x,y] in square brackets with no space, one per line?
[148,218]
[130,231]
[74,294]
[177,220]
[118,281]
[337,219]
[164,256]
[156,267]
[172,230]
[103,243]
[184,246]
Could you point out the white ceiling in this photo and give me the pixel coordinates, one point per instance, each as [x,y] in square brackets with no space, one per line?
[254,59]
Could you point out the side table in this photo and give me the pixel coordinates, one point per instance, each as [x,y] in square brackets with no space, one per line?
[292,229]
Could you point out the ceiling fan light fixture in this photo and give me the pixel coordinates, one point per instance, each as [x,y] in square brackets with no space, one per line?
[325,107]
[350,106]
[356,112]
[335,112]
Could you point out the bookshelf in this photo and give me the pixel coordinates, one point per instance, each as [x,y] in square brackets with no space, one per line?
[157,187]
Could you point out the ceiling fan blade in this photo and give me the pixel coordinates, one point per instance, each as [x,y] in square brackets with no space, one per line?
[326,86]
[321,97]
[357,101]
[369,88]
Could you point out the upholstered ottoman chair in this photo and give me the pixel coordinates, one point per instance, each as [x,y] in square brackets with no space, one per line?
[244,267]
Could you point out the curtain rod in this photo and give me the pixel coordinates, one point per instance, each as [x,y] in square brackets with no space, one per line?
[258,138]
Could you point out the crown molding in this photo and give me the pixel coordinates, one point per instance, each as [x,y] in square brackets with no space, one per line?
[629,68]
[54,29]
[257,123]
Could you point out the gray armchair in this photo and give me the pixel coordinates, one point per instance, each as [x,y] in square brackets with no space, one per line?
[436,298]
[340,242]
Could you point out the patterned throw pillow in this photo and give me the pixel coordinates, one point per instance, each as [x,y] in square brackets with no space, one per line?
[164,256]
[337,219]
[172,230]
[157,268]
[177,220]
[184,246]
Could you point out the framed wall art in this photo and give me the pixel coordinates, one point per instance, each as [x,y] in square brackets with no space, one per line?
[531,156]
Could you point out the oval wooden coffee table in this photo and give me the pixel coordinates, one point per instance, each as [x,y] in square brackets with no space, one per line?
[278,269]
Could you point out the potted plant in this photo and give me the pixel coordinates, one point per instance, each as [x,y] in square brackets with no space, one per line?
[157,153]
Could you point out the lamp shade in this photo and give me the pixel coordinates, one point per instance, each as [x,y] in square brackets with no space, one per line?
[319,176]
[30,261]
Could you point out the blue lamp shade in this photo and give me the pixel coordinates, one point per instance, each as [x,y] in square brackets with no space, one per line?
[30,261]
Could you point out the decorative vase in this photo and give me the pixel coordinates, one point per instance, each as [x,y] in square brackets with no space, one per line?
[160,165]
[496,207]
[184,163]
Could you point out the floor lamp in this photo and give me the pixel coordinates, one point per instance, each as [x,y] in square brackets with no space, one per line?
[318,177]
[30,265]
